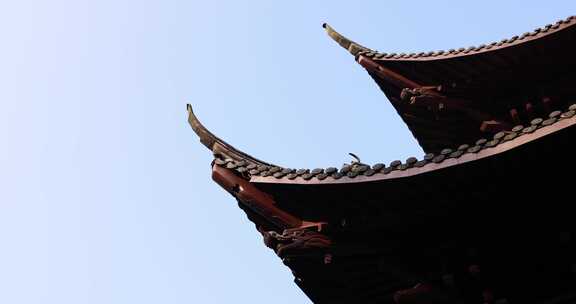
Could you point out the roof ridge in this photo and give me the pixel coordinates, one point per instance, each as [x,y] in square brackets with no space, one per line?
[249,169]
[358,49]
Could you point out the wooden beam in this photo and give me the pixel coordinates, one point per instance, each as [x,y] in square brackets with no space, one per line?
[428,100]
[259,201]
[253,198]
[515,116]
[494,126]
[387,74]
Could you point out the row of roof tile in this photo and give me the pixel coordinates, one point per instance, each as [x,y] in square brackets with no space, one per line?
[357,49]
[248,168]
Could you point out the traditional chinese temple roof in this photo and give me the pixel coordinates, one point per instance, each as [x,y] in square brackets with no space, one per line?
[483,217]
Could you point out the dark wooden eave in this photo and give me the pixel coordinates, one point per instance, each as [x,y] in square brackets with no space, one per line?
[484,217]
[371,236]
[454,96]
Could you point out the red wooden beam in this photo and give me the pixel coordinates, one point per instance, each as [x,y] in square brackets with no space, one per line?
[515,116]
[259,201]
[494,126]
[387,74]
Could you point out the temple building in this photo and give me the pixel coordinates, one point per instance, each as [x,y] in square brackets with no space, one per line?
[482,218]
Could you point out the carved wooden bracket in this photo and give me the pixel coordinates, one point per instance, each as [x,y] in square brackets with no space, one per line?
[297,242]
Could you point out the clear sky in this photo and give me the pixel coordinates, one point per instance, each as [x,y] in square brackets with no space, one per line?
[105,192]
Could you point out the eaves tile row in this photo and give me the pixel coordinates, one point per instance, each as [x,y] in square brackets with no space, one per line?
[357,49]
[249,169]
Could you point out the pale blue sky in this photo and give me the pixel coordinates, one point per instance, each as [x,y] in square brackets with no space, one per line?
[105,192]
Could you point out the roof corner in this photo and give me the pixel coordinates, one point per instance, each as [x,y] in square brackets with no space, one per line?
[206,138]
[219,148]
[351,46]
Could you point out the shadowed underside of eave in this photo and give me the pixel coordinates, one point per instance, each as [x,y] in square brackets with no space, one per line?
[382,234]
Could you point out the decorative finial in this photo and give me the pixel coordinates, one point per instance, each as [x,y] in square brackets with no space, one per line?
[356,157]
[344,42]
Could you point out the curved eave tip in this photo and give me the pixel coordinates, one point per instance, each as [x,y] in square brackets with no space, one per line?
[344,42]
[192,119]
[206,138]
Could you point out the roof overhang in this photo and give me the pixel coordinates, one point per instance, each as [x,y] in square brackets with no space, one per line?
[449,97]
